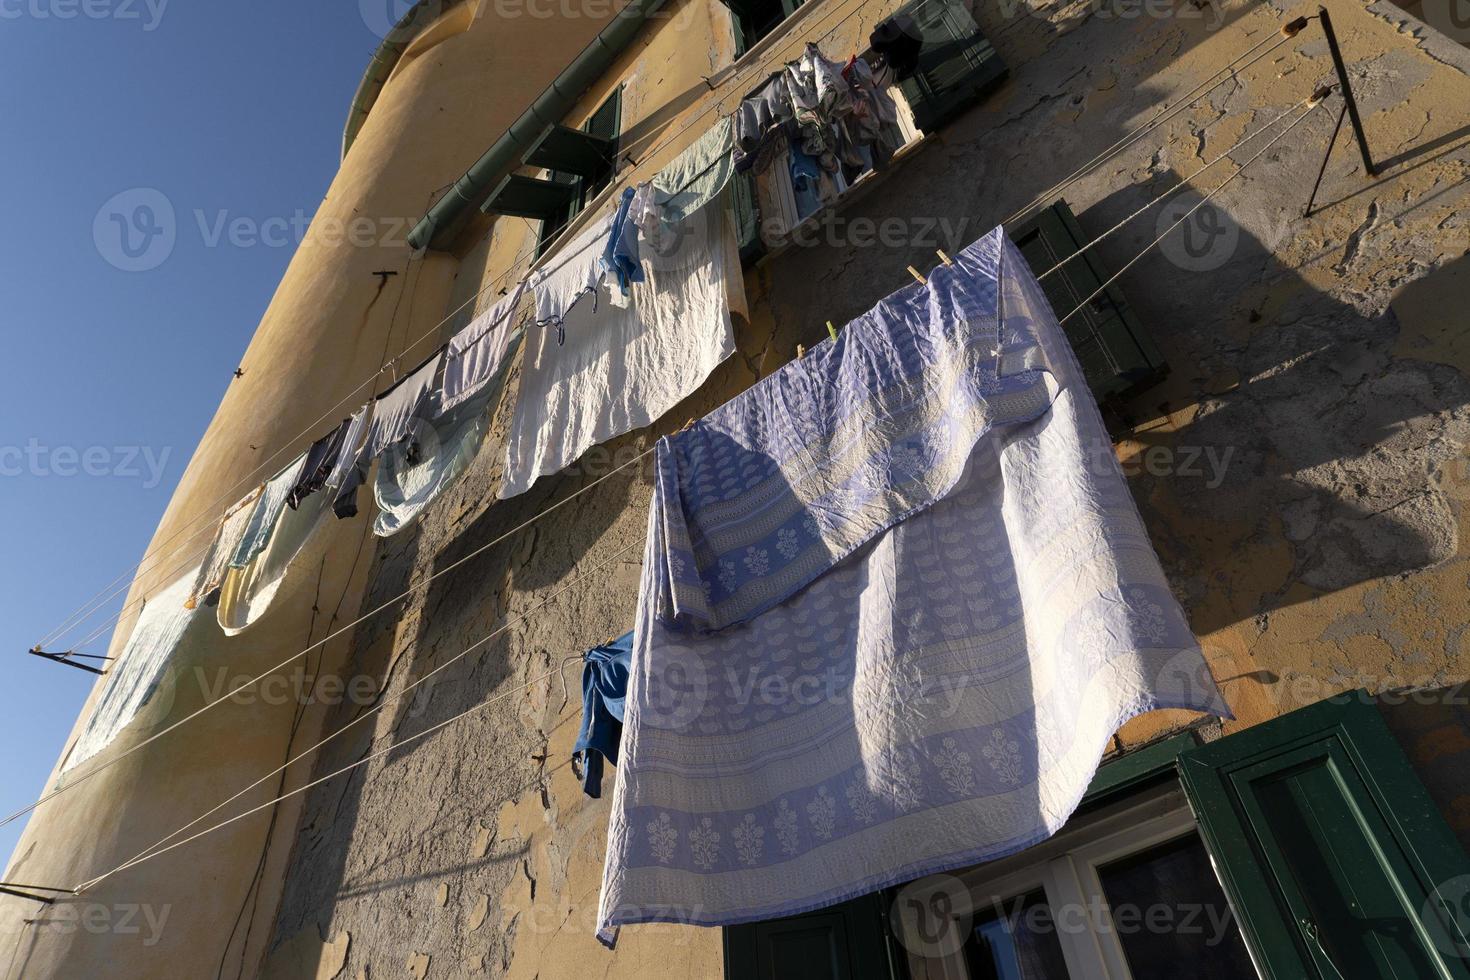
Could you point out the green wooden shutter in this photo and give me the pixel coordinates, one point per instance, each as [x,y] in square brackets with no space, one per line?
[1117,355]
[747,217]
[844,942]
[1330,850]
[957,65]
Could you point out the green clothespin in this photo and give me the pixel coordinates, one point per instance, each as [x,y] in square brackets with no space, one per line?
[831,330]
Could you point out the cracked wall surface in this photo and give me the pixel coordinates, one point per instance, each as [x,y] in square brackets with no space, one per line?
[1302,470]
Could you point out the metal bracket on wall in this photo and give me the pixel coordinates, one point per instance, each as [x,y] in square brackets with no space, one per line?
[15,890]
[1349,112]
[65,658]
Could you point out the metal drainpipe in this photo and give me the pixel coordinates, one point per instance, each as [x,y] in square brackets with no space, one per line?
[437,227]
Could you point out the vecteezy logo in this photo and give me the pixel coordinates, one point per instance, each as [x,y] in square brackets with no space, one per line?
[1450,17]
[135,231]
[381,16]
[1205,239]
[932,917]
[1446,913]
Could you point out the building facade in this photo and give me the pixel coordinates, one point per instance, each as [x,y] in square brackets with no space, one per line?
[1285,383]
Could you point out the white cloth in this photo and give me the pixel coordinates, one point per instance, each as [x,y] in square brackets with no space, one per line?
[446,448]
[351,443]
[226,542]
[475,356]
[619,369]
[135,674]
[267,512]
[250,586]
[896,599]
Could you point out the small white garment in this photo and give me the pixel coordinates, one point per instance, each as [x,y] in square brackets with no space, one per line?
[475,356]
[135,674]
[227,540]
[619,369]
[395,410]
[351,443]
[267,512]
[249,588]
[403,489]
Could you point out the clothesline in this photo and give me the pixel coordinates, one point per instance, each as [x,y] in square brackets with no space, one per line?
[150,851]
[1286,33]
[374,612]
[163,846]
[247,685]
[1181,183]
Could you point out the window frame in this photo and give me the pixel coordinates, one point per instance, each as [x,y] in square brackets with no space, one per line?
[1065,868]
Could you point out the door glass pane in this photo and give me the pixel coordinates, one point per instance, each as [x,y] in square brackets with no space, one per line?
[1017,942]
[1171,916]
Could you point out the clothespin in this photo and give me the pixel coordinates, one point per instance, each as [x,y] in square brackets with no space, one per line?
[800,351]
[831,330]
[918,275]
[942,257]
[687,426]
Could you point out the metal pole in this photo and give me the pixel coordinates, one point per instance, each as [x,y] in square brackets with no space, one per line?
[1347,91]
[1325,157]
[61,658]
[34,898]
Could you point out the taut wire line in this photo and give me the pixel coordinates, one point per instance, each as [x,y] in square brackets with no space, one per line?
[549,249]
[1185,216]
[391,699]
[83,777]
[1182,182]
[1164,114]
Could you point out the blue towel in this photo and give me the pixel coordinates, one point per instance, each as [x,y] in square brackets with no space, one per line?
[620,258]
[604,687]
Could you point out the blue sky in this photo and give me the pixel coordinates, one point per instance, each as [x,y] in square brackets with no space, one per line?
[226,110]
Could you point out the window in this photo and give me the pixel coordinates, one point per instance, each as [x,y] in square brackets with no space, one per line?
[1303,847]
[1331,848]
[754,19]
[604,125]
[780,192]
[849,941]
[1125,891]
[1117,356]
[944,63]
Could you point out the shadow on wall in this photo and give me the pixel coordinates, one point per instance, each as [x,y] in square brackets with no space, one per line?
[1309,461]
[1303,441]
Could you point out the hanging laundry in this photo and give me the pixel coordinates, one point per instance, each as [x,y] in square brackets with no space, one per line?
[268,508]
[873,108]
[806,183]
[321,460]
[694,178]
[448,444]
[251,584]
[896,599]
[394,415]
[135,675]
[226,543]
[819,97]
[620,256]
[620,369]
[604,686]
[476,355]
[756,116]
